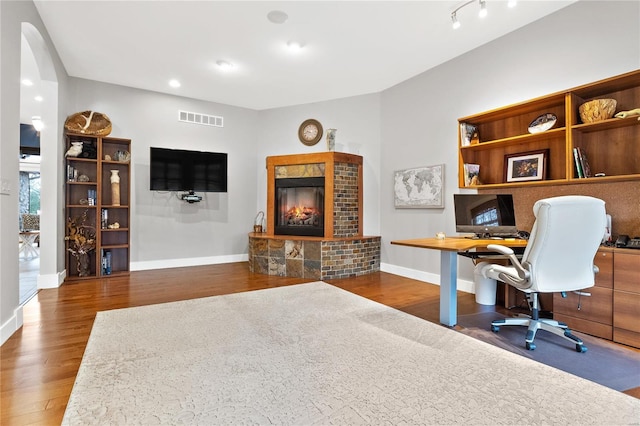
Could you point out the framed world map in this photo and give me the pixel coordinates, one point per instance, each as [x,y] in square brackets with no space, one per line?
[419,188]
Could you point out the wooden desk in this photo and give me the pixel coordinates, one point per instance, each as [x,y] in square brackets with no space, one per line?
[449,249]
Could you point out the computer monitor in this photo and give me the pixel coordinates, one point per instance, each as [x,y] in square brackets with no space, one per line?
[485,215]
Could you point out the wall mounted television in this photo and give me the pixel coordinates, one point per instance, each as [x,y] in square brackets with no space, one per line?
[184,170]
[485,215]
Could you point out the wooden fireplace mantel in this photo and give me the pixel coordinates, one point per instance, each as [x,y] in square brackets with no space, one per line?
[330,159]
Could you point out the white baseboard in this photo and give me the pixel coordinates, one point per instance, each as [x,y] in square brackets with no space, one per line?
[194,261]
[51,280]
[11,325]
[463,285]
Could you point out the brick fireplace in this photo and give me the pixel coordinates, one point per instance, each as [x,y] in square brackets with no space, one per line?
[314,232]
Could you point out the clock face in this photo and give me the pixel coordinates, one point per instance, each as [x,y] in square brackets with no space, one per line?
[310,132]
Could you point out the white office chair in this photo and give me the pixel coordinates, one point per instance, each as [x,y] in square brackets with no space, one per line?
[559,257]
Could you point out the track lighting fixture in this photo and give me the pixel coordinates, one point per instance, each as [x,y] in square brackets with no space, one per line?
[481,13]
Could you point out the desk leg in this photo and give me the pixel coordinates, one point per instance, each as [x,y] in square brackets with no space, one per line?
[448,288]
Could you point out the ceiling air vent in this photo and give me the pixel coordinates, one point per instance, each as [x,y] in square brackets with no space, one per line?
[197,118]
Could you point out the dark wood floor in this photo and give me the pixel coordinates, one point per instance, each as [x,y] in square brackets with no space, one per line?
[40,361]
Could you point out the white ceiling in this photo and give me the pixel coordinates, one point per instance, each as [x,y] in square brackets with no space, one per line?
[351,47]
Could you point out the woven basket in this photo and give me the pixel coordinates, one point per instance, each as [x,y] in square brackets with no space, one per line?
[88,123]
[597,110]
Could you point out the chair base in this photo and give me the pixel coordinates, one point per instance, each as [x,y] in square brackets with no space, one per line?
[556,327]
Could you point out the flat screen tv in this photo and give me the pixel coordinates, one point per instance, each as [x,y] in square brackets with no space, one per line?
[183,170]
[485,215]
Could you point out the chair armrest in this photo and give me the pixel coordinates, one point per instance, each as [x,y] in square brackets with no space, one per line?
[501,249]
[522,272]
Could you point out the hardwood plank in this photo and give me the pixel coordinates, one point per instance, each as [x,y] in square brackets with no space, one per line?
[39,362]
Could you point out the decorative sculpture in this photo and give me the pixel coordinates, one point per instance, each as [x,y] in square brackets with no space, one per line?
[74,150]
[625,114]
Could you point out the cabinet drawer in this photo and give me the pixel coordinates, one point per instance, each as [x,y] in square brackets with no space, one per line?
[626,337]
[627,276]
[604,262]
[597,307]
[593,328]
[626,308]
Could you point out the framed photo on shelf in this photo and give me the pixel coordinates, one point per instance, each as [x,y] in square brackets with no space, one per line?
[471,174]
[526,166]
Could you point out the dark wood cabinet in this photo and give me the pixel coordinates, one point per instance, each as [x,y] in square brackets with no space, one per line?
[97,235]
[590,310]
[626,298]
[612,309]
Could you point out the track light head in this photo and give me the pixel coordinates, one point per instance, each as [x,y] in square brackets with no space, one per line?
[483,9]
[455,22]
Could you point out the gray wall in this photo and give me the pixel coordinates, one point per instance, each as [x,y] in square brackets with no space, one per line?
[582,43]
[358,122]
[167,231]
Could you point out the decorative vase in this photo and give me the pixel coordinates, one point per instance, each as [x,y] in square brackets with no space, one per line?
[331,139]
[83,264]
[115,188]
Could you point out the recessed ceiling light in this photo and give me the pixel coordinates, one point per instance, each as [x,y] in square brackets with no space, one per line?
[38,98]
[294,46]
[27,82]
[174,83]
[224,65]
[277,17]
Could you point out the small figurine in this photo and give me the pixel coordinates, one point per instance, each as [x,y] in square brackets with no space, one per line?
[74,150]
[625,114]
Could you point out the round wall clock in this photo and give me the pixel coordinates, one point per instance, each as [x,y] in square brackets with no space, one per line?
[310,132]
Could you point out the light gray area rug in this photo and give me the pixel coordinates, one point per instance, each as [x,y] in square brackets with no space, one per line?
[313,354]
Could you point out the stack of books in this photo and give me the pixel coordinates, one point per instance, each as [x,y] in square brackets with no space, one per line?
[106,262]
[582,164]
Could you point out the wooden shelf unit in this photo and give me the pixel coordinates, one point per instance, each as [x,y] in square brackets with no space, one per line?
[98,171]
[611,146]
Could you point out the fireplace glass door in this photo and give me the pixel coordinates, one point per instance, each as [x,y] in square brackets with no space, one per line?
[299,206]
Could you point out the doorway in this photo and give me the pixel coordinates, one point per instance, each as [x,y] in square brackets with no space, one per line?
[29,222]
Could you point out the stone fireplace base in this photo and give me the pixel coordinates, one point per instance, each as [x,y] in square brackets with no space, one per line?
[312,257]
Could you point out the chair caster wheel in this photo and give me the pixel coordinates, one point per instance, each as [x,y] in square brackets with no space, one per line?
[530,346]
[495,328]
[581,348]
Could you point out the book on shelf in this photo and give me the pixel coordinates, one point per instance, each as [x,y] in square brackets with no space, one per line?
[105,261]
[586,169]
[583,169]
[576,161]
[471,174]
